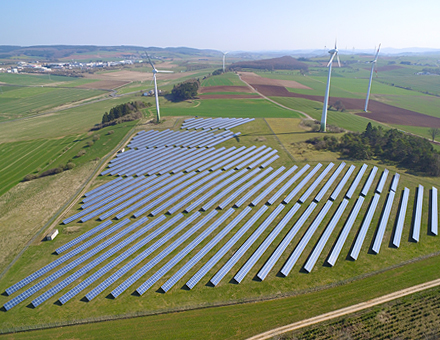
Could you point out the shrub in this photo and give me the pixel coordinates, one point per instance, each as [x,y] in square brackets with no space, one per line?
[81,153]
[111,132]
[69,166]
[96,137]
[29,177]
[90,143]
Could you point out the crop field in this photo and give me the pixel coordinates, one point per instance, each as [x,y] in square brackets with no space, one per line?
[225,79]
[37,79]
[25,101]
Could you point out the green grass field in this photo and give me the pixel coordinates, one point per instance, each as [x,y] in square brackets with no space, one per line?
[225,79]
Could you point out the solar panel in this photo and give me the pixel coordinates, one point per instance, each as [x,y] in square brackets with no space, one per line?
[325,236]
[183,253]
[257,187]
[434,212]
[341,184]
[260,160]
[266,192]
[328,184]
[345,231]
[231,158]
[293,258]
[364,227]
[401,218]
[247,161]
[302,183]
[287,185]
[205,250]
[318,180]
[356,181]
[383,222]
[418,215]
[139,258]
[32,290]
[101,271]
[382,181]
[217,159]
[369,181]
[269,161]
[266,243]
[228,245]
[103,186]
[141,272]
[395,182]
[245,246]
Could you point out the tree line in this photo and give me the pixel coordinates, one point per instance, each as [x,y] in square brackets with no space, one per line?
[408,151]
[186,90]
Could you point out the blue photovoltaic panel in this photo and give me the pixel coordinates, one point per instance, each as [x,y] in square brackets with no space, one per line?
[356,181]
[183,253]
[139,258]
[253,158]
[209,159]
[418,215]
[214,190]
[228,245]
[383,222]
[243,157]
[302,183]
[401,218]
[192,262]
[257,188]
[382,181]
[315,183]
[217,159]
[32,290]
[364,227]
[229,159]
[266,243]
[345,231]
[269,161]
[262,159]
[325,236]
[96,261]
[328,184]
[102,187]
[224,192]
[245,246]
[293,258]
[141,272]
[434,211]
[342,183]
[287,185]
[101,271]
[395,182]
[369,181]
[266,192]
[244,188]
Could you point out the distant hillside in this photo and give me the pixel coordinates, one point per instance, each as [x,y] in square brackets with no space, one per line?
[283,63]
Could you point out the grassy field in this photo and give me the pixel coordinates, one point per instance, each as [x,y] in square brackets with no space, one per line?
[36,156]
[24,101]
[225,79]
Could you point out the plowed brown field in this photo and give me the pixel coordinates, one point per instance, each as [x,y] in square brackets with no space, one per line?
[252,78]
[210,89]
[229,96]
[380,112]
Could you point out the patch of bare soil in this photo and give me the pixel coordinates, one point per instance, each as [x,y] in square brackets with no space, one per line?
[252,78]
[125,75]
[229,96]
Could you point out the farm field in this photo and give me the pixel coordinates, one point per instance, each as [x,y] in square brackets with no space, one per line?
[55,139]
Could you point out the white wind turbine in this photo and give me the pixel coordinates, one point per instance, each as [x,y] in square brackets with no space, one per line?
[156,94]
[371,78]
[333,52]
[224,59]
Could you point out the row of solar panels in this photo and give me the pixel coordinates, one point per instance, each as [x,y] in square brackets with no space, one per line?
[237,255]
[214,123]
[170,138]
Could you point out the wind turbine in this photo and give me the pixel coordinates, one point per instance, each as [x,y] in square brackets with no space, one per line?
[333,52]
[224,58]
[371,78]
[155,71]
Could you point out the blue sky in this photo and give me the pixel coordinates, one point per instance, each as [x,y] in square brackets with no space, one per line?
[223,25]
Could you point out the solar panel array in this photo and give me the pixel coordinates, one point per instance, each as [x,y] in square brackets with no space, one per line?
[182,179]
[213,123]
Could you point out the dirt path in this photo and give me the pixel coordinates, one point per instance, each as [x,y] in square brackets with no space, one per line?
[346,310]
[273,101]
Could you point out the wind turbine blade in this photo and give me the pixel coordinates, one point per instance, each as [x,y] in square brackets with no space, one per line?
[149,60]
[377,54]
[339,62]
[161,71]
[331,59]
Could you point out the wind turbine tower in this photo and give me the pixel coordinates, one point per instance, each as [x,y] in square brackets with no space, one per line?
[156,94]
[333,54]
[374,62]
[224,59]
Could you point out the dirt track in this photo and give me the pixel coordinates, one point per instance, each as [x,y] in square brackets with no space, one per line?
[345,311]
[380,112]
